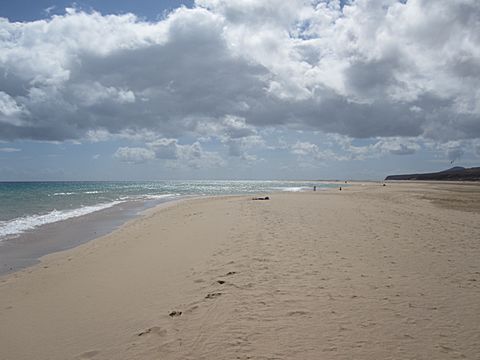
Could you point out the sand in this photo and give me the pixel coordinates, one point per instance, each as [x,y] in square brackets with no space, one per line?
[369,272]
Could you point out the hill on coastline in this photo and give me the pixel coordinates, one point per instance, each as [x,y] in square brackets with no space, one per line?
[456,173]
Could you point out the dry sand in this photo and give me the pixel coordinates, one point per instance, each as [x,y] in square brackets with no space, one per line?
[369,272]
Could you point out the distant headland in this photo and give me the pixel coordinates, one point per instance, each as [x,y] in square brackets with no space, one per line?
[456,173]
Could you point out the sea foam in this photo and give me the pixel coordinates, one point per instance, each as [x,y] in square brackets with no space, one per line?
[14,227]
[158,197]
[22,224]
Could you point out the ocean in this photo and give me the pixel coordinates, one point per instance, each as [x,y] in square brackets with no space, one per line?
[26,206]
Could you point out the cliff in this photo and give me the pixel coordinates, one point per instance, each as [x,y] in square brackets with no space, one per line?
[456,173]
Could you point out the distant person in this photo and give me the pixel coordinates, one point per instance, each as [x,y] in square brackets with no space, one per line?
[314,188]
[340,188]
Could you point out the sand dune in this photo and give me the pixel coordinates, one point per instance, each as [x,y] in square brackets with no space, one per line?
[370,272]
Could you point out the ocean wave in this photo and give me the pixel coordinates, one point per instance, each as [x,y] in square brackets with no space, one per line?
[23,224]
[162,196]
[63,193]
[147,197]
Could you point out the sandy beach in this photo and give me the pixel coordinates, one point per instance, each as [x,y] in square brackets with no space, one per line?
[369,272]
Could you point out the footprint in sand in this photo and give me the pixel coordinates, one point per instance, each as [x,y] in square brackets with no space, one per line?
[213,295]
[157,330]
[298,313]
[175,313]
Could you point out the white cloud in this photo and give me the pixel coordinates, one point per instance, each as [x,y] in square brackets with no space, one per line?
[313,151]
[49,10]
[235,133]
[235,127]
[97,135]
[93,93]
[10,111]
[369,69]
[397,146]
[173,153]
[304,148]
[9,150]
[341,148]
[134,155]
[194,156]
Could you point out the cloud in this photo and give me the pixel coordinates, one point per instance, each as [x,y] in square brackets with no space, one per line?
[454,150]
[47,11]
[240,137]
[10,111]
[194,156]
[342,148]
[403,149]
[134,155]
[235,133]
[166,148]
[9,149]
[173,153]
[119,74]
[368,69]
[313,151]
[304,148]
[235,127]
[455,153]
[397,146]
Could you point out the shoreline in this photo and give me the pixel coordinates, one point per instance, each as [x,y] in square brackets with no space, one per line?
[371,272]
[27,249]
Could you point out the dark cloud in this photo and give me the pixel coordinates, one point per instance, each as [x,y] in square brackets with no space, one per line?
[366,69]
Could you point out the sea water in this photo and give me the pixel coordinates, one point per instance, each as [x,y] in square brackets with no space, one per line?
[25,206]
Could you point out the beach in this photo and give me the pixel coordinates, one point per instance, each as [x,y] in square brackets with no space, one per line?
[369,272]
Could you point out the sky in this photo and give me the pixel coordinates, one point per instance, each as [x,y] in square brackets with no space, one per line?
[237,89]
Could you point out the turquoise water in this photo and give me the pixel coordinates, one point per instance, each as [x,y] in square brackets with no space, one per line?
[27,205]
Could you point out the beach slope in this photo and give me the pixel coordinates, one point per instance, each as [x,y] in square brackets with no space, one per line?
[369,272]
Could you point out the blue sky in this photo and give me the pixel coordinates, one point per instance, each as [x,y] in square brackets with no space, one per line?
[27,10]
[217,89]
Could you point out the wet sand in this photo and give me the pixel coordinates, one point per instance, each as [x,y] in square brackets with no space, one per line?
[369,272]
[26,249]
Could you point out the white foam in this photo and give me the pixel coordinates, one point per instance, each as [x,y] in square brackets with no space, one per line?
[63,193]
[22,224]
[162,196]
